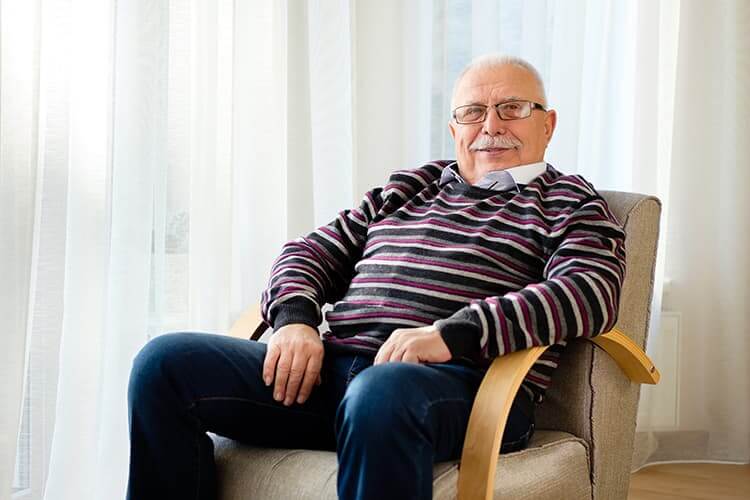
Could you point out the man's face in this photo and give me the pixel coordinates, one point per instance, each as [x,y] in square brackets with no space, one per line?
[517,142]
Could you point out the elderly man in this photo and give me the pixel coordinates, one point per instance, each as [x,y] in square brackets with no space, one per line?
[444,268]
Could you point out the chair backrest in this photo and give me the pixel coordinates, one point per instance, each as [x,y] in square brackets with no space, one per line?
[589,396]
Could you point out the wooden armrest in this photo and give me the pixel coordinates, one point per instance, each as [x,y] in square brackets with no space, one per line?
[496,393]
[250,325]
[489,415]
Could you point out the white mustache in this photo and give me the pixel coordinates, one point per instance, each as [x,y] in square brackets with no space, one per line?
[499,141]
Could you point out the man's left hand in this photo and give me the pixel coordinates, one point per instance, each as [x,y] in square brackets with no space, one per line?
[414,345]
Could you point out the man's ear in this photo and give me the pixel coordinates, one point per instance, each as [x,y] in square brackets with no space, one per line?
[550,121]
[452,128]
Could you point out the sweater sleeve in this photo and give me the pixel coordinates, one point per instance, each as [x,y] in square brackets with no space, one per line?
[315,269]
[578,297]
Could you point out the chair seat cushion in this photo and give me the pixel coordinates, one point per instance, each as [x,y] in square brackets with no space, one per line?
[555,465]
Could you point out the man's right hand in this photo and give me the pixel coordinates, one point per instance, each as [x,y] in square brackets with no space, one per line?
[293,359]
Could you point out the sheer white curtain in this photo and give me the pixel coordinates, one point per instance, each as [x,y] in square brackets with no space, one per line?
[155,155]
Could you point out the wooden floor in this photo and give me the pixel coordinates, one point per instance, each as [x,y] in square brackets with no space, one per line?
[690,481]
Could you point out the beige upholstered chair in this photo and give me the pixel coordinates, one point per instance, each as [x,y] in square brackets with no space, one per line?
[583,445]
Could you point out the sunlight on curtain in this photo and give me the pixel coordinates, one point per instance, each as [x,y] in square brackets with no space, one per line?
[169,173]
[18,178]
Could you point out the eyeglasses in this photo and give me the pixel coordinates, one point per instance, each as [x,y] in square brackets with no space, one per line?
[509,110]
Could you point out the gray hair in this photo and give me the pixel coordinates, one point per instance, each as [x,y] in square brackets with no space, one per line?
[494,61]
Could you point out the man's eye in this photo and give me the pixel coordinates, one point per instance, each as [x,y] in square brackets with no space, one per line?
[473,111]
[511,106]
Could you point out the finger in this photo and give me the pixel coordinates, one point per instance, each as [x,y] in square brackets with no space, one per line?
[282,375]
[311,374]
[410,357]
[296,373]
[383,353]
[269,364]
[397,354]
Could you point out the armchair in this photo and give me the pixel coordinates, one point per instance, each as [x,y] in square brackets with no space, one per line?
[583,444]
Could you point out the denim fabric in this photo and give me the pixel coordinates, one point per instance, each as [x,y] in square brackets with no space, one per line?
[388,423]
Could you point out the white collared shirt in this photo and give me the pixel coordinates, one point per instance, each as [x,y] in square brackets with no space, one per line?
[499,180]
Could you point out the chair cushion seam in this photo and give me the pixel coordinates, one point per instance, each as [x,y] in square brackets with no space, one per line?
[530,450]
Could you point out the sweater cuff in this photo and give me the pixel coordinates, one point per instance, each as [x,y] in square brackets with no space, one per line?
[461,335]
[296,310]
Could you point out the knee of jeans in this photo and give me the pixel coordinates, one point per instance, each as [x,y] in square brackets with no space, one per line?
[148,371]
[379,397]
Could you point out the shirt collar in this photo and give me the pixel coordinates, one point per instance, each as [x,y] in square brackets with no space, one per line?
[498,180]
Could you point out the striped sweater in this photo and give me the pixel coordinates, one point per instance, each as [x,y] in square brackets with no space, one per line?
[495,272]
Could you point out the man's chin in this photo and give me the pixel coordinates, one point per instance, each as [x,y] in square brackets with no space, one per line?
[497,159]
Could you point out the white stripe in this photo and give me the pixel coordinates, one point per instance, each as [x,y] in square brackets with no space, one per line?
[396,190]
[467,251]
[483,321]
[414,291]
[560,269]
[445,270]
[285,298]
[496,319]
[599,297]
[345,228]
[408,173]
[294,258]
[547,311]
[551,364]
[514,299]
[496,217]
[384,319]
[287,273]
[573,305]
[484,237]
[585,223]
[334,242]
[356,220]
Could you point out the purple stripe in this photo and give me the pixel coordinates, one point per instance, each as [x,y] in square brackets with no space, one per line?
[537,380]
[357,214]
[421,174]
[284,281]
[573,289]
[562,260]
[567,192]
[527,319]
[464,231]
[503,326]
[448,265]
[300,267]
[335,317]
[332,235]
[477,248]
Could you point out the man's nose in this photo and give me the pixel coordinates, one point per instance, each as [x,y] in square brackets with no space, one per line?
[492,124]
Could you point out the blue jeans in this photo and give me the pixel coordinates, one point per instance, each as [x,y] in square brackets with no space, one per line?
[388,423]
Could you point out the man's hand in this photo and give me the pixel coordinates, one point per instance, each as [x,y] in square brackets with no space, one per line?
[414,345]
[293,358]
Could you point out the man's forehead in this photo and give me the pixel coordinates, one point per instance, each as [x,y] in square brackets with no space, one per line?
[497,84]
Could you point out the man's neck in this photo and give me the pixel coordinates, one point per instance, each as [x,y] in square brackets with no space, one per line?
[515,170]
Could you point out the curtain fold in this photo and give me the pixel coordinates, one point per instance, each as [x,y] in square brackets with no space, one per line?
[154,157]
[19,87]
[707,241]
